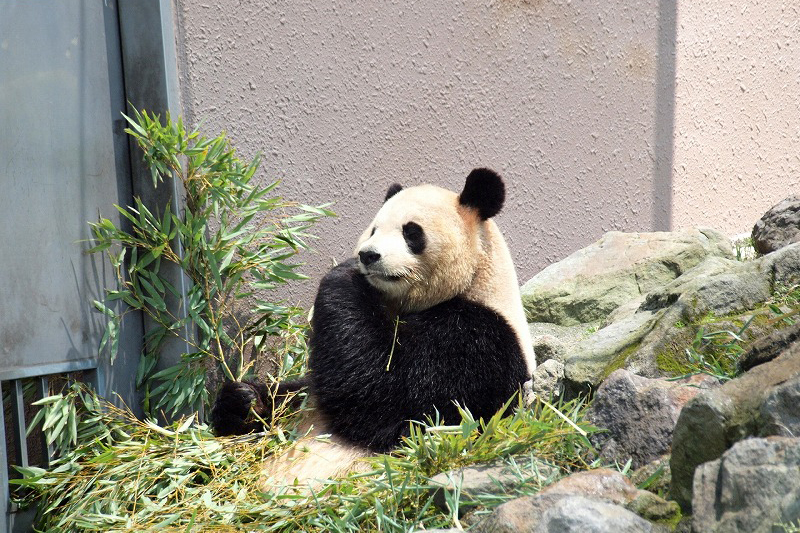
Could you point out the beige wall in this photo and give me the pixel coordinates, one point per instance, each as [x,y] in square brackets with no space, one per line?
[737,112]
[571,101]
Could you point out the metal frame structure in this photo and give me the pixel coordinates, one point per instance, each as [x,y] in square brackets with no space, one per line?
[149,68]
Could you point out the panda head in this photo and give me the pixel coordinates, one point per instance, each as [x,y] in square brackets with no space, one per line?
[425,245]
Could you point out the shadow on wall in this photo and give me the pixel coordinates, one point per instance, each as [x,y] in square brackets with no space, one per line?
[665,116]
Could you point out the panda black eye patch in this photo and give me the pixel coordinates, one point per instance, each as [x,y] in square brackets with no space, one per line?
[414,236]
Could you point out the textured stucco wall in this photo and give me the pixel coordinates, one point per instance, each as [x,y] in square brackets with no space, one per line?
[737,111]
[344,98]
[571,101]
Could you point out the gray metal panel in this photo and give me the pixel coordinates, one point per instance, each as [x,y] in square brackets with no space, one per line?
[150,72]
[63,162]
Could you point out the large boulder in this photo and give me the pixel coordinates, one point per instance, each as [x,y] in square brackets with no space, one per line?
[754,486]
[578,514]
[639,414]
[782,266]
[758,403]
[592,282]
[628,342]
[595,500]
[780,412]
[645,340]
[641,335]
[718,286]
[780,226]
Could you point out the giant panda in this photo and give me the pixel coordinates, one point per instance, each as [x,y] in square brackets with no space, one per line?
[426,315]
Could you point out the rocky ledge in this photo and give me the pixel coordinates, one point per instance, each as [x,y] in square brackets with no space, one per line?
[648,325]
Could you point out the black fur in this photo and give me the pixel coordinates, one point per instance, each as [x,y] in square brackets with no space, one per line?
[484,190]
[415,237]
[455,351]
[394,188]
[231,412]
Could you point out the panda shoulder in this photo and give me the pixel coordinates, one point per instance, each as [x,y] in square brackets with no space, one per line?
[463,318]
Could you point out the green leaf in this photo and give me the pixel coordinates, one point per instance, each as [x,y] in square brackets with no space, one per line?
[126,212]
[145,368]
[103,309]
[227,260]
[156,299]
[113,328]
[156,251]
[48,399]
[215,271]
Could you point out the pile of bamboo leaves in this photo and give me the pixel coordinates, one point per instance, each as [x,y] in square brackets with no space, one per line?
[117,473]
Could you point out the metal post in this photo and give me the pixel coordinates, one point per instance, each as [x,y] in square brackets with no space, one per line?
[5,525]
[48,451]
[18,416]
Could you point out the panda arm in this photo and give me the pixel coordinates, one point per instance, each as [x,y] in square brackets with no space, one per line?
[351,330]
[352,335]
[348,323]
[231,412]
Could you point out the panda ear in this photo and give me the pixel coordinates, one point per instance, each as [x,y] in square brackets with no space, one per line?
[484,191]
[394,188]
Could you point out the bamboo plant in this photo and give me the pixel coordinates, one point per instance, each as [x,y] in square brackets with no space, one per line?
[234,241]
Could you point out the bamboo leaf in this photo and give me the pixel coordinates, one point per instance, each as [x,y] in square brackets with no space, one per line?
[100,306]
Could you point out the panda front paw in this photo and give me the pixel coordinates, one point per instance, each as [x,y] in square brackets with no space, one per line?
[231,412]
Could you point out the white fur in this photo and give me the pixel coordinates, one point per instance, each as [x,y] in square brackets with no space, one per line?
[464,256]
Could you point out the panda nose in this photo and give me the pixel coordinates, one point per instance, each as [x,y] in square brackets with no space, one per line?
[368,257]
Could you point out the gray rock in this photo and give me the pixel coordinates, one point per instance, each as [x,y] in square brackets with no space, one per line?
[780,412]
[769,347]
[714,420]
[638,332]
[782,266]
[640,414]
[567,336]
[548,347]
[564,514]
[612,486]
[604,493]
[595,357]
[643,330]
[580,514]
[548,379]
[594,281]
[602,483]
[752,487]
[780,226]
[518,515]
[718,285]
[474,481]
